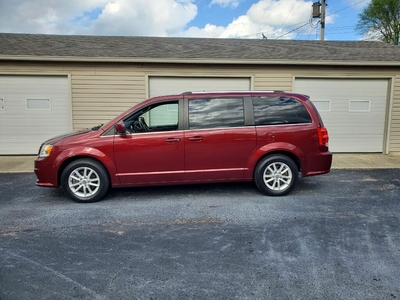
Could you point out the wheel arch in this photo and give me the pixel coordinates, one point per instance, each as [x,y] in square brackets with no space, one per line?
[69,160]
[72,154]
[291,155]
[291,151]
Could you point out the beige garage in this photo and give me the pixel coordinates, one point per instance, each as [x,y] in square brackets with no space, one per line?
[167,85]
[356,85]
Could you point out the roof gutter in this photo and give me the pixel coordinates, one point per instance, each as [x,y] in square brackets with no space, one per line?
[196,61]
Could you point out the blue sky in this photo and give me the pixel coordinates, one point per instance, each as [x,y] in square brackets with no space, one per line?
[189,18]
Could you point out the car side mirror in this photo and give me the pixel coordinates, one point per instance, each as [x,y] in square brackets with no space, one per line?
[120,128]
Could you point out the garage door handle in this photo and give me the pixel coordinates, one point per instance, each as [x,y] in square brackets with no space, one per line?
[172,140]
[195,139]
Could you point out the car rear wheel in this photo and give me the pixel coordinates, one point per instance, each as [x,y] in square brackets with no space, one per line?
[85,180]
[276,175]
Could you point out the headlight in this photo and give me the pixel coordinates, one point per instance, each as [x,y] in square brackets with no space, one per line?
[45,150]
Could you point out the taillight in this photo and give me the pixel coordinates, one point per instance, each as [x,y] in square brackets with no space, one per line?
[323,137]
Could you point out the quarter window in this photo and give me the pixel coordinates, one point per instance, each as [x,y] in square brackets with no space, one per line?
[216,112]
[275,110]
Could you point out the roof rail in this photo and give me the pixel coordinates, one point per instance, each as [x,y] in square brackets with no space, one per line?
[216,92]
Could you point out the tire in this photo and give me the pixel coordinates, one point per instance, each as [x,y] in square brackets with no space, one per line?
[276,175]
[85,180]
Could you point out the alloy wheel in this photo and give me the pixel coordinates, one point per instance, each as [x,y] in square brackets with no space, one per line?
[277,176]
[84,182]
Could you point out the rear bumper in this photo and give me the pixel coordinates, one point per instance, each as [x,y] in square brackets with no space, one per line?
[46,173]
[315,164]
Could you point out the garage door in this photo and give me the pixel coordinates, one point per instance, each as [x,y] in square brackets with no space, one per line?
[32,109]
[175,85]
[353,110]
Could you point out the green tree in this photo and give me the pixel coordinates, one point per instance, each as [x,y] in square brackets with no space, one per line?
[381,18]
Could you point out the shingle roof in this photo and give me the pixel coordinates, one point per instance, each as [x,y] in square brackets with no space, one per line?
[190,50]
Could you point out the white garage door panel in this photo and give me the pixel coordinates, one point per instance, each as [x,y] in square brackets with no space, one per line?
[24,129]
[175,85]
[350,131]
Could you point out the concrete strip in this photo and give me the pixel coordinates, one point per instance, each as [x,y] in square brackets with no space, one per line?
[366,161]
[16,164]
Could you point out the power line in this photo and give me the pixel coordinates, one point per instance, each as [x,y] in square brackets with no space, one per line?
[296,24]
[344,32]
[307,30]
[311,31]
[292,30]
[261,33]
[342,28]
[288,14]
[346,7]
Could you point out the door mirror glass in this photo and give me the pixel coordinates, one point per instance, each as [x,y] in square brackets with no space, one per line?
[120,128]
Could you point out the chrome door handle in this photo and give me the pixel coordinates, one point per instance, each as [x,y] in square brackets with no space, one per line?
[172,140]
[195,139]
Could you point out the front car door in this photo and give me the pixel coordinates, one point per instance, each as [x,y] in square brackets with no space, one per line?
[217,143]
[152,151]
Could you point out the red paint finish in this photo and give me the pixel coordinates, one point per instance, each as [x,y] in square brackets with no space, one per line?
[149,157]
[218,154]
[173,153]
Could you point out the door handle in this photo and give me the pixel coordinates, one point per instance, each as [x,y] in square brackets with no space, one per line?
[172,140]
[195,139]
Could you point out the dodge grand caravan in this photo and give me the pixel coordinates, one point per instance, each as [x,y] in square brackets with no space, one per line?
[265,137]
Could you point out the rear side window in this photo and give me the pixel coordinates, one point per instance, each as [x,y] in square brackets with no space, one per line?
[275,110]
[216,112]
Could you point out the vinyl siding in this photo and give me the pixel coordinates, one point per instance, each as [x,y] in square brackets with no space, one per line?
[394,140]
[99,96]
[101,91]
[273,81]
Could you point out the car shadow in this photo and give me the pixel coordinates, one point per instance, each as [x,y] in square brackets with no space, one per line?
[211,189]
[238,189]
[305,186]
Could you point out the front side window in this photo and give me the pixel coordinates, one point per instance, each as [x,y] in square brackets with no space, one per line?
[216,112]
[275,110]
[154,118]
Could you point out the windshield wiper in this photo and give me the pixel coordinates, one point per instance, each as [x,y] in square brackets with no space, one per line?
[95,128]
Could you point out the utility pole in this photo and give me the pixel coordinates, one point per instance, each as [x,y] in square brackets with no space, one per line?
[318,11]
[322,33]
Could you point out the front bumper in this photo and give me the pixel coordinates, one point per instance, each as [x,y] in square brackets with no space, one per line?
[46,173]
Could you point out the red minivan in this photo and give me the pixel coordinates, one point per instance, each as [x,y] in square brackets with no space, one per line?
[265,137]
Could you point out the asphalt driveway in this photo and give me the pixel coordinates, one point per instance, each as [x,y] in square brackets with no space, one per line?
[336,236]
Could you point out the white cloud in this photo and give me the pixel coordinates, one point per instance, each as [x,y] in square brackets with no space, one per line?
[273,18]
[43,16]
[226,3]
[372,36]
[101,17]
[274,12]
[127,17]
[242,27]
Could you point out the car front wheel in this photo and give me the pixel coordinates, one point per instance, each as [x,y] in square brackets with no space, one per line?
[85,180]
[276,175]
